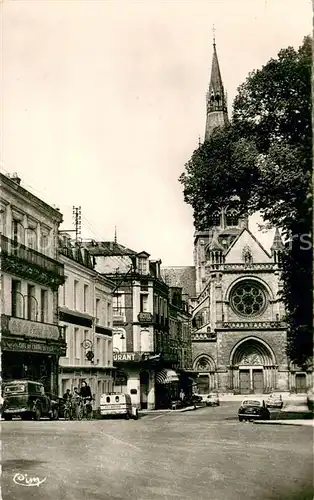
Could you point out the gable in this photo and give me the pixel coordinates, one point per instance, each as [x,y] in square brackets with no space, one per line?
[246,239]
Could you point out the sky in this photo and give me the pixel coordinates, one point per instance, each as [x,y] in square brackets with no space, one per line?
[103,102]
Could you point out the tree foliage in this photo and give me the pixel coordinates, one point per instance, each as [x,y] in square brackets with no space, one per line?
[264,156]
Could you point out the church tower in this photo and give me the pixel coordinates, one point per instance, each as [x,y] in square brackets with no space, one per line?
[225,227]
[216,101]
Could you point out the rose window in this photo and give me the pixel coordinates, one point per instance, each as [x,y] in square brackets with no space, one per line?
[248,299]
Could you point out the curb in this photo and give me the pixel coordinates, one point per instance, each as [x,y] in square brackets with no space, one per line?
[304,423]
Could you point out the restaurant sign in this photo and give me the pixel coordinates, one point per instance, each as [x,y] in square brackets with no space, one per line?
[130,356]
[20,345]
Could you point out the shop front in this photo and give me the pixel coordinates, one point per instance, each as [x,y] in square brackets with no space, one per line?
[32,358]
[135,375]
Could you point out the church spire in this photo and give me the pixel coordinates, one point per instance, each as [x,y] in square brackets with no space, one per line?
[216,104]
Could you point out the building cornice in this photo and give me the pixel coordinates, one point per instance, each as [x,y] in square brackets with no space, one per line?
[27,198]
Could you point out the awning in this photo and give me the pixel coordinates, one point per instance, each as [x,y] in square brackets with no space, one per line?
[166,377]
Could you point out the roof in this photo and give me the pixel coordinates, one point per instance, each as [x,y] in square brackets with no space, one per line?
[245,229]
[182,277]
[108,248]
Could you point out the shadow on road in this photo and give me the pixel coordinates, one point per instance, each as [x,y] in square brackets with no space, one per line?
[20,464]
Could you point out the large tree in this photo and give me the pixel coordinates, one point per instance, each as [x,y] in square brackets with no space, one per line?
[265,158]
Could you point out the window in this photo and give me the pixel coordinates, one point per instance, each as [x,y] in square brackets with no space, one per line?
[17,300]
[117,303]
[142,265]
[161,306]
[109,314]
[85,304]
[143,302]
[64,292]
[97,312]
[44,242]
[232,218]
[32,238]
[65,329]
[76,343]
[17,231]
[155,304]
[248,298]
[32,304]
[165,308]
[43,306]
[98,350]
[75,290]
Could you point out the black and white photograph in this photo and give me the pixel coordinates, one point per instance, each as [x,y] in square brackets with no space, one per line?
[156,221]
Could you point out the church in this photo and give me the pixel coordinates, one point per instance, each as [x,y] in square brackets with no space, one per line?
[238,330]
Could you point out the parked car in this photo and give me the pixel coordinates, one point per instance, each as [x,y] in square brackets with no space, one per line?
[310,399]
[212,399]
[27,399]
[193,400]
[274,401]
[253,409]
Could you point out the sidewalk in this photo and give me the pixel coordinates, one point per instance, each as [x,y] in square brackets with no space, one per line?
[181,410]
[308,423]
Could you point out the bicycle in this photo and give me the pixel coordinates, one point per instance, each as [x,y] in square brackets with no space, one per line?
[87,409]
[68,410]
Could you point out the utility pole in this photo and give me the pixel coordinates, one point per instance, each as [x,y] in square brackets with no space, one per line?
[77,221]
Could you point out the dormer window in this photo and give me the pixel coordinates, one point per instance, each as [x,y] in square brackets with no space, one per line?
[142,265]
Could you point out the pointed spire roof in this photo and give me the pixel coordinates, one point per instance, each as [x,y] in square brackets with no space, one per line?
[277,242]
[216,103]
[216,87]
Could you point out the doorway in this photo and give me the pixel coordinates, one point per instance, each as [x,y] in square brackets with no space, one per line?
[300,382]
[258,381]
[244,381]
[144,388]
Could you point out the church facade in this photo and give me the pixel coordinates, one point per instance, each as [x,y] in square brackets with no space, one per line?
[239,335]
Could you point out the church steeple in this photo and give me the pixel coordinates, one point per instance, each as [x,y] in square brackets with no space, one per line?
[216,105]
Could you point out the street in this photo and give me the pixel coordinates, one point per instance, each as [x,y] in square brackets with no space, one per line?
[203,454]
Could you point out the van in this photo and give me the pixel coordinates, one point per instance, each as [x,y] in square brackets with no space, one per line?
[117,403]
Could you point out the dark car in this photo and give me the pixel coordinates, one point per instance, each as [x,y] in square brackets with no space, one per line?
[27,399]
[253,409]
[193,400]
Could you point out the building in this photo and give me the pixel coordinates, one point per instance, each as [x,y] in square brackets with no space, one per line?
[239,333]
[143,353]
[31,339]
[85,313]
[180,337]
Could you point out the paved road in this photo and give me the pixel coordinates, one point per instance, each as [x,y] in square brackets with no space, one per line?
[206,454]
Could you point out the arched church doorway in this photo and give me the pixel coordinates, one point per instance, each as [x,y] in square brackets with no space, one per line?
[207,376]
[144,389]
[253,367]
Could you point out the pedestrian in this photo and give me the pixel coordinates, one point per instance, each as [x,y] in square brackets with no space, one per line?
[181,395]
[85,391]
[76,402]
[67,396]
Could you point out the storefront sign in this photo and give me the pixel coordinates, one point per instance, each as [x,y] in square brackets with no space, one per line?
[130,356]
[145,317]
[19,326]
[19,345]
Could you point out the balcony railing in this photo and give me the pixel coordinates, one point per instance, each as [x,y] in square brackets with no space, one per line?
[15,250]
[244,325]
